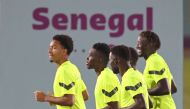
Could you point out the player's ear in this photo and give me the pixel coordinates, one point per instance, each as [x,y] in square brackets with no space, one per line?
[64,51]
[152,46]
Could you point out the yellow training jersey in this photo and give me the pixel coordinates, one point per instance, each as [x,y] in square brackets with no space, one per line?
[132,84]
[155,70]
[68,81]
[107,88]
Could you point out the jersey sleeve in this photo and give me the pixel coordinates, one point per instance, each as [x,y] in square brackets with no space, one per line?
[110,90]
[134,86]
[157,71]
[83,86]
[67,82]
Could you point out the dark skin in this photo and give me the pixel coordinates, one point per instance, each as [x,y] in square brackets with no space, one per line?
[138,100]
[145,50]
[173,87]
[85,95]
[96,61]
[162,88]
[112,105]
[66,100]
[133,61]
[150,102]
[58,55]
[123,67]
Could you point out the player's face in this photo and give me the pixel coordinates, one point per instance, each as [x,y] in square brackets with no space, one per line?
[92,60]
[55,51]
[141,46]
[113,64]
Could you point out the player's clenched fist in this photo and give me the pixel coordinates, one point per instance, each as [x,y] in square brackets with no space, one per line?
[40,96]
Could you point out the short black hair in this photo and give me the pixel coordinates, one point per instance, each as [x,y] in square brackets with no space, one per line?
[104,49]
[152,38]
[121,51]
[65,41]
[133,56]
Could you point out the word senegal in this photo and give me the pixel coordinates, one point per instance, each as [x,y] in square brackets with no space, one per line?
[115,23]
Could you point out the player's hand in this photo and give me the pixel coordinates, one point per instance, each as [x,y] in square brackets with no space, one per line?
[40,96]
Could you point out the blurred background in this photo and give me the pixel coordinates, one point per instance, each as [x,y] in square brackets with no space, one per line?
[24,64]
[186,54]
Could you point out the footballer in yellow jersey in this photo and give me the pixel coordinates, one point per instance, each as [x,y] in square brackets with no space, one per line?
[68,81]
[68,93]
[134,94]
[107,85]
[132,85]
[107,88]
[153,74]
[159,80]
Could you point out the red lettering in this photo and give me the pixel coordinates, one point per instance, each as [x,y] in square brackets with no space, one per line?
[59,21]
[149,18]
[98,21]
[116,22]
[135,22]
[44,21]
[74,21]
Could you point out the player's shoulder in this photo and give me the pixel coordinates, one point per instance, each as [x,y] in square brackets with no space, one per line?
[155,57]
[107,76]
[108,73]
[70,66]
[133,75]
[70,69]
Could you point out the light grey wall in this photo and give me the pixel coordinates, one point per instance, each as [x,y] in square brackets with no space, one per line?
[24,64]
[186,17]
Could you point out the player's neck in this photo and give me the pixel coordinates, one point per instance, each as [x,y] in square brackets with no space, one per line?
[99,69]
[148,54]
[123,69]
[61,61]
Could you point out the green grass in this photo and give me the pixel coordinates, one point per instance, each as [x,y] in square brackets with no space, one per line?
[186,82]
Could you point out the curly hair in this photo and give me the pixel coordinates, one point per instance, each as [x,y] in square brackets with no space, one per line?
[121,51]
[104,49]
[65,41]
[152,38]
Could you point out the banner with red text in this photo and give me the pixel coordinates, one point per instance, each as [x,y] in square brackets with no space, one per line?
[27,27]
